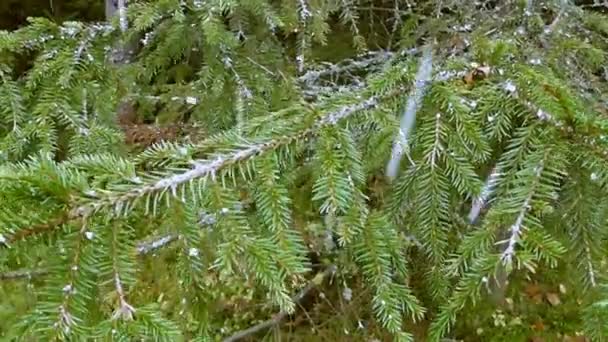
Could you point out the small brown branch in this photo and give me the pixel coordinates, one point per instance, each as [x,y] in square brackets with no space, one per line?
[35,230]
[283,314]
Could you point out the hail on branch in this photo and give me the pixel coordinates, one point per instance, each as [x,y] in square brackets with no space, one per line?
[122,15]
[243,95]
[304,14]
[518,226]
[423,77]
[124,310]
[66,320]
[487,190]
[208,169]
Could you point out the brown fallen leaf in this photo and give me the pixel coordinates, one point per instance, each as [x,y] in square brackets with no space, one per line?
[538,325]
[537,298]
[532,289]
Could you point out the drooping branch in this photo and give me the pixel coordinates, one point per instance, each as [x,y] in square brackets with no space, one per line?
[317,280]
[423,77]
[517,227]
[480,202]
[210,168]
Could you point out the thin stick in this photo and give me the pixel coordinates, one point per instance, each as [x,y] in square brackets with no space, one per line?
[281,315]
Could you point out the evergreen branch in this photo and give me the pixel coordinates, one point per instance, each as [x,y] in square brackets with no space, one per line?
[34,230]
[409,115]
[590,270]
[125,310]
[24,273]
[480,202]
[516,228]
[317,280]
[148,247]
[210,168]
[349,64]
[142,249]
[122,15]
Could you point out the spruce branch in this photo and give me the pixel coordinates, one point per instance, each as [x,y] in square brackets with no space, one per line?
[316,281]
[408,118]
[590,270]
[24,273]
[304,15]
[148,247]
[210,168]
[517,227]
[122,15]
[34,230]
[480,202]
[348,65]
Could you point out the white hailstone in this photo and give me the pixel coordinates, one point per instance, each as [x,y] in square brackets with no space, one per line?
[90,193]
[136,180]
[541,114]
[490,118]
[438,115]
[484,279]
[509,86]
[70,29]
[67,288]
[191,100]
[74,268]
[535,61]
[347,294]
[594,176]
[193,252]
[2,239]
[225,211]
[89,235]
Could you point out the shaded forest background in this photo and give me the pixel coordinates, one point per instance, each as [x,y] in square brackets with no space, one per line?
[14,13]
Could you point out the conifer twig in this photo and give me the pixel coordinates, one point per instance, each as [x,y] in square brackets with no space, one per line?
[34,230]
[423,77]
[480,202]
[23,273]
[516,228]
[210,168]
[317,280]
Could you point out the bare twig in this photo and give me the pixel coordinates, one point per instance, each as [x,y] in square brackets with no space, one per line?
[283,314]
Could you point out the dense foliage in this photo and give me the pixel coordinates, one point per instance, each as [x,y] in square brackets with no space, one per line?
[369,169]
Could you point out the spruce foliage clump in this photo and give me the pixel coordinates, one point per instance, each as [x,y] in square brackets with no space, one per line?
[420,161]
